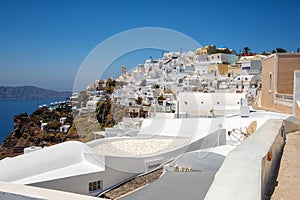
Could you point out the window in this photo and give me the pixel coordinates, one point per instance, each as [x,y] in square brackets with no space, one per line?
[94,186]
[153,166]
[270,82]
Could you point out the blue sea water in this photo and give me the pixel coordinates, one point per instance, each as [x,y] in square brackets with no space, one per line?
[10,108]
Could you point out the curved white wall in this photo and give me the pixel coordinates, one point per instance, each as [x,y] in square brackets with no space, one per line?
[195,102]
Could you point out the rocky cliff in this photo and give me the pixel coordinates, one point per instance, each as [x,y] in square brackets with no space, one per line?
[28,132]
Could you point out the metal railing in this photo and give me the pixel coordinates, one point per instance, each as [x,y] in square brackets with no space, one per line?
[284,97]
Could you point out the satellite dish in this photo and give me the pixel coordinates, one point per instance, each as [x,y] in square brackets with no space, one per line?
[246,133]
[252,128]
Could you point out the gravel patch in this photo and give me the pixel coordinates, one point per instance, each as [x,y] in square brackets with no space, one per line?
[133,185]
[138,146]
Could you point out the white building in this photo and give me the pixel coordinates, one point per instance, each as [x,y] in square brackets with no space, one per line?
[43,126]
[91,105]
[220,58]
[68,166]
[253,67]
[64,128]
[196,104]
[201,174]
[100,164]
[201,69]
[62,120]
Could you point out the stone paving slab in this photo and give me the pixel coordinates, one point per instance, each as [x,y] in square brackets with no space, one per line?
[288,180]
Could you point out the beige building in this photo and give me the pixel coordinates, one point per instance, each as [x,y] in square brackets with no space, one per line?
[278,81]
[223,69]
[254,57]
[207,50]
[233,70]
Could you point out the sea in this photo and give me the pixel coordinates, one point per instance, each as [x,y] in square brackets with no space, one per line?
[10,108]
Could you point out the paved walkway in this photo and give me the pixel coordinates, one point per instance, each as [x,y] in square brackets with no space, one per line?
[288,187]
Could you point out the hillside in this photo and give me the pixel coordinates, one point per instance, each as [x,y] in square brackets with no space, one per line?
[27,130]
[30,93]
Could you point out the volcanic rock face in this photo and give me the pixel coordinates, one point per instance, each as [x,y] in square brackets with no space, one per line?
[27,131]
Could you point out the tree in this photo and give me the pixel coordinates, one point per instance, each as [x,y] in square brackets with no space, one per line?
[265,53]
[246,50]
[139,100]
[103,109]
[53,125]
[227,51]
[298,50]
[280,50]
[110,82]
[109,90]
[110,122]
[156,86]
[161,98]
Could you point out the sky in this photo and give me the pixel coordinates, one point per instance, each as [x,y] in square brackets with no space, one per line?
[43,43]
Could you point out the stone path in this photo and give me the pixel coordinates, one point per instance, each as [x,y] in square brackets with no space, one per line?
[288,187]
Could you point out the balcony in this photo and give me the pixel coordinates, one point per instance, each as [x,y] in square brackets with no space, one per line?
[284,99]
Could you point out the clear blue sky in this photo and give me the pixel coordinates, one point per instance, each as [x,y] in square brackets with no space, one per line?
[43,43]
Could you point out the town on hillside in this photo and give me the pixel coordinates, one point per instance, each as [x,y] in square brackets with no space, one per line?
[153,89]
[204,124]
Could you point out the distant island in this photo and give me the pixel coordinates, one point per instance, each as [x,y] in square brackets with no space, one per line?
[31,93]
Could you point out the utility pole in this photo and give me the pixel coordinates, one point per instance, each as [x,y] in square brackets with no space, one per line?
[177,109]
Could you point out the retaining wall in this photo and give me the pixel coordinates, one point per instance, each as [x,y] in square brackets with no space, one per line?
[247,171]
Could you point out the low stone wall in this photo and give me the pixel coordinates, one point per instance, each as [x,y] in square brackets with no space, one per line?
[292,124]
[248,170]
